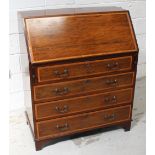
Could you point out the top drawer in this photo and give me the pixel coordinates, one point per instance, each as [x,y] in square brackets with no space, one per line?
[80,69]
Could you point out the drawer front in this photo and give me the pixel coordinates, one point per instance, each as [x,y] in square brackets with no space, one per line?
[83,69]
[82,122]
[65,89]
[82,104]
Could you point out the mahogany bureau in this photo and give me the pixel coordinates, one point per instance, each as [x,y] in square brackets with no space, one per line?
[82,72]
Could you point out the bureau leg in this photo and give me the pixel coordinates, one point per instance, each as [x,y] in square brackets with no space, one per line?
[38,145]
[127,126]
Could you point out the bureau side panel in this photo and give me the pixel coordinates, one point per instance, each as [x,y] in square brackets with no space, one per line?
[29,101]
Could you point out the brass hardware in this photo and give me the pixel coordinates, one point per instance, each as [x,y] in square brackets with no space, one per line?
[33,76]
[114,99]
[64,74]
[112,82]
[113,65]
[109,99]
[64,109]
[109,117]
[62,127]
[61,91]
[56,73]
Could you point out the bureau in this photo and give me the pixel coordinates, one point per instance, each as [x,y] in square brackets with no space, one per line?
[82,73]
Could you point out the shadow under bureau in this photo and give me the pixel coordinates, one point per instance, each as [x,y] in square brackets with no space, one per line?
[82,71]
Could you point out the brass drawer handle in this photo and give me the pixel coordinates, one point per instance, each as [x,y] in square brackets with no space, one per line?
[112,82]
[114,99]
[64,109]
[109,99]
[62,127]
[64,74]
[61,91]
[113,65]
[110,117]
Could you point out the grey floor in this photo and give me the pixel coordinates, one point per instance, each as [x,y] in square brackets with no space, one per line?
[112,142]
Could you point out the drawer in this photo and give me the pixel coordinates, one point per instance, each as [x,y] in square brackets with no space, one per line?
[83,68]
[82,122]
[78,87]
[82,104]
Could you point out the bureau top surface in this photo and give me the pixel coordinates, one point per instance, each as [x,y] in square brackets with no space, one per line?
[75,36]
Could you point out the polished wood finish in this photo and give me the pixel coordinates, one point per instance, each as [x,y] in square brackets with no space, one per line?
[57,38]
[82,71]
[62,126]
[67,71]
[79,87]
[83,104]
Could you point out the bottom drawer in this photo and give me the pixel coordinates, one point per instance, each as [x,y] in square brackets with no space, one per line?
[82,122]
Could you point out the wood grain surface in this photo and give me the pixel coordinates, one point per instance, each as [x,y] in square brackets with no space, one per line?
[57,38]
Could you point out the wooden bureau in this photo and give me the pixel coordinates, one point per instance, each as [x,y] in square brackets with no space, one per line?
[82,71]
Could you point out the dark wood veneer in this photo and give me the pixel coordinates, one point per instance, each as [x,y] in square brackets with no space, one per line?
[60,90]
[82,71]
[85,68]
[57,38]
[72,124]
[71,106]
